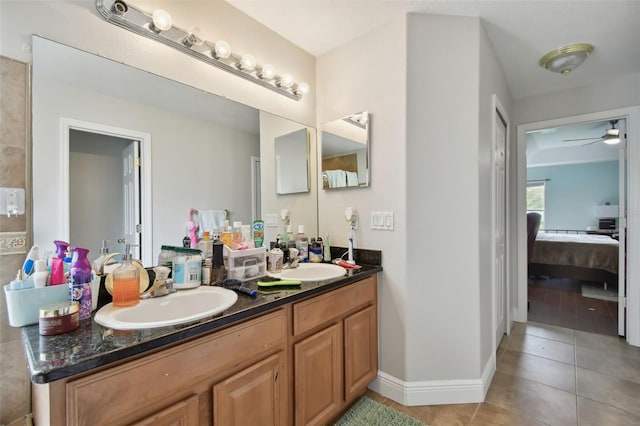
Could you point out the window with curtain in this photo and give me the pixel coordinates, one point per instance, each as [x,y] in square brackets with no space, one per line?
[535,199]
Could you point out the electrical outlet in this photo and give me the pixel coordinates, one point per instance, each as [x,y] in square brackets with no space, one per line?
[271,220]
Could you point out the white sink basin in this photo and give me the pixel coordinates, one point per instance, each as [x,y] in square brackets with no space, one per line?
[177,308]
[311,272]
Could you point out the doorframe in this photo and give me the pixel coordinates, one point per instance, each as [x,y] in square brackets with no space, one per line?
[632,115]
[498,109]
[68,124]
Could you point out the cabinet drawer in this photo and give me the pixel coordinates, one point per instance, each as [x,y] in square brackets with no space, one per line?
[125,392]
[312,313]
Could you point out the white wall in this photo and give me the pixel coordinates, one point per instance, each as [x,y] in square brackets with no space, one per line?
[302,206]
[620,92]
[442,189]
[435,326]
[492,81]
[378,86]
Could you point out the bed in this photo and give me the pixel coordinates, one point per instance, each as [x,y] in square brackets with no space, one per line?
[585,257]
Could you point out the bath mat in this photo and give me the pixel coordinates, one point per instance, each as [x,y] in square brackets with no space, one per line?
[367,412]
[597,291]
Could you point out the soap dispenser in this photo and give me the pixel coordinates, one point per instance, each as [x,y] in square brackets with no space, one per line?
[126,282]
[98,263]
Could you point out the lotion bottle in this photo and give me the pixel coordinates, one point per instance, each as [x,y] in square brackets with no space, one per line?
[302,244]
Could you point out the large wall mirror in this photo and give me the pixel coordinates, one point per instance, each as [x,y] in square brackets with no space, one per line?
[292,162]
[94,118]
[345,152]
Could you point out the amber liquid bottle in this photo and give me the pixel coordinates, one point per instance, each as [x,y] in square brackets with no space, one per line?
[126,282]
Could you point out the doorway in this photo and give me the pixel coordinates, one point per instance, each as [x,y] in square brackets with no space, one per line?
[108,188]
[575,181]
[97,186]
[629,224]
[499,160]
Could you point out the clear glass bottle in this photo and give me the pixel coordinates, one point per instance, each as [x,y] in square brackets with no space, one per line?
[126,282]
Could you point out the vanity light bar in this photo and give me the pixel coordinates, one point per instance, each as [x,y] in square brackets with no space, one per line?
[189,42]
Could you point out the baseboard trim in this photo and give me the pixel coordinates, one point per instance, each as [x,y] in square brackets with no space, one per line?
[435,392]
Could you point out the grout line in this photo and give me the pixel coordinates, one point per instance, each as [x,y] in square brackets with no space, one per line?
[473,416]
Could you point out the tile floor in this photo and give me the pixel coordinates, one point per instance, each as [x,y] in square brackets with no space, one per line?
[548,375]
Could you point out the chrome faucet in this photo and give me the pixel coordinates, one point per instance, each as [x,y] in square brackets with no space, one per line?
[159,288]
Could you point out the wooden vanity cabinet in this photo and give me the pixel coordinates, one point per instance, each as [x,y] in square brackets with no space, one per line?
[237,373]
[310,359]
[335,351]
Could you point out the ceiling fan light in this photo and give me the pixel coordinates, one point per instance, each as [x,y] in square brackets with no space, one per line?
[611,139]
[566,58]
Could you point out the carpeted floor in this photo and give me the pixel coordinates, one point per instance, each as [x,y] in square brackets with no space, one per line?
[367,412]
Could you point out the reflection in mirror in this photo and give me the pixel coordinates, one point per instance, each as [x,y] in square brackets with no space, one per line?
[302,206]
[197,150]
[345,152]
[292,162]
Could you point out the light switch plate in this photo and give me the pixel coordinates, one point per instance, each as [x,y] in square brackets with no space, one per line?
[382,221]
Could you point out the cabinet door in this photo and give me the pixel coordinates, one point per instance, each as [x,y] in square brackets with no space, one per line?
[183,413]
[360,351]
[254,396]
[318,376]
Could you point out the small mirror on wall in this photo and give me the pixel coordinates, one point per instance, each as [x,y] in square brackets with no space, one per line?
[345,152]
[292,162]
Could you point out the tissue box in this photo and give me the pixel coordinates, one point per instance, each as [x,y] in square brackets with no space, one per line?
[23,306]
[247,264]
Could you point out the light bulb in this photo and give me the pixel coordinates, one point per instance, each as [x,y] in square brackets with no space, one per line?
[267,72]
[161,20]
[247,62]
[286,80]
[302,89]
[194,38]
[221,49]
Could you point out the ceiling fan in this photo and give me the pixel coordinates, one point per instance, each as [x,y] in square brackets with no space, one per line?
[611,137]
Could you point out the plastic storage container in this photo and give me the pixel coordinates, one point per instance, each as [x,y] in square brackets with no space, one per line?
[23,306]
[247,264]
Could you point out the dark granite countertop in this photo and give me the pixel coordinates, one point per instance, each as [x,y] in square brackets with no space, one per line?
[92,345]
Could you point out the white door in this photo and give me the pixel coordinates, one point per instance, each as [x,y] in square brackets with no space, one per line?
[131,196]
[622,227]
[499,218]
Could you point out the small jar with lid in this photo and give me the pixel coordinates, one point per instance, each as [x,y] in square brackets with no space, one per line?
[59,318]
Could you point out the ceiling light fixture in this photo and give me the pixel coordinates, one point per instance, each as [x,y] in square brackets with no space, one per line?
[566,58]
[247,62]
[160,21]
[159,27]
[194,38]
[267,72]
